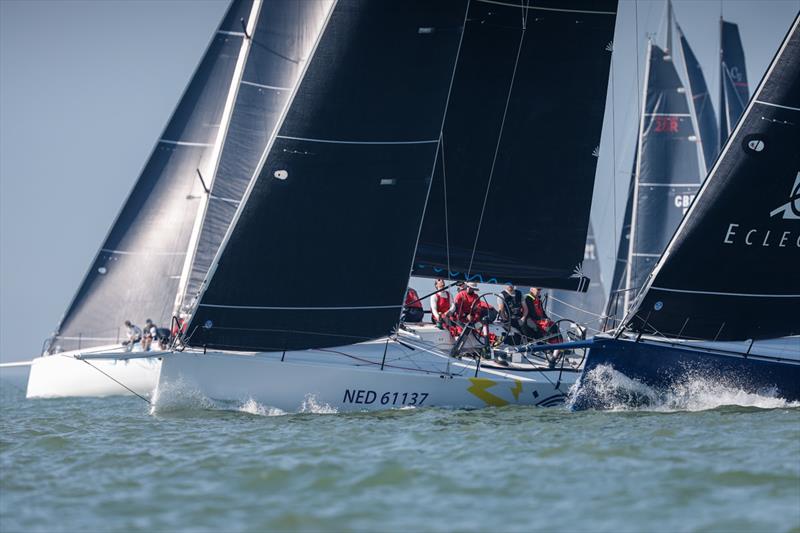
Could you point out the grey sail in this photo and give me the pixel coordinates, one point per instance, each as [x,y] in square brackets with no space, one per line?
[585,308]
[136,272]
[284,34]
[731,270]
[668,167]
[320,251]
[615,310]
[513,185]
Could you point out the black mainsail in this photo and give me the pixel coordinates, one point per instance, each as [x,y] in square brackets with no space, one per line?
[136,272]
[733,89]
[513,184]
[340,194]
[731,270]
[281,41]
[668,166]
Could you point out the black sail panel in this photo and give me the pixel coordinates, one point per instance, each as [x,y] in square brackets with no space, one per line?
[701,101]
[668,173]
[585,308]
[284,34]
[731,270]
[339,198]
[136,273]
[513,184]
[734,77]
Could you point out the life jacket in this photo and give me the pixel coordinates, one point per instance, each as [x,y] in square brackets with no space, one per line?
[442,302]
[512,303]
[466,303]
[412,299]
[535,308]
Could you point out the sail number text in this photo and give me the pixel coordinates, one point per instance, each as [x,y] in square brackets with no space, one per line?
[369,397]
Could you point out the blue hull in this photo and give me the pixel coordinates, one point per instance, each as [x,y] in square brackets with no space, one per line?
[660,366]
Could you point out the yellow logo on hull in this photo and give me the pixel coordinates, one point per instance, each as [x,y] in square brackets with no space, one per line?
[478,388]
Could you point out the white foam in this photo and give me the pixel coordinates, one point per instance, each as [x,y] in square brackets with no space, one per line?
[617,392]
[254,408]
[177,395]
[312,405]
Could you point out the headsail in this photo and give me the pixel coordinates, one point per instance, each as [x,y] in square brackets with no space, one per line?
[617,295]
[668,170]
[731,270]
[136,272]
[701,104]
[339,196]
[283,36]
[513,184]
[734,92]
[585,308]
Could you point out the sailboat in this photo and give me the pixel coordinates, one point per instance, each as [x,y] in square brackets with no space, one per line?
[727,283]
[162,242]
[425,111]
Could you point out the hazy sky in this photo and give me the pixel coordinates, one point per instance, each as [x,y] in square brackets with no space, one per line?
[87,86]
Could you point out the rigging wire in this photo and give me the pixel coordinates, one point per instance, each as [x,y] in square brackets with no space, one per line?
[499,139]
[118,382]
[446,217]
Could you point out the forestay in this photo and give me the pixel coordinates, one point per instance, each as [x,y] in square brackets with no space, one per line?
[731,270]
[136,272]
[513,184]
[733,89]
[283,36]
[340,194]
[668,169]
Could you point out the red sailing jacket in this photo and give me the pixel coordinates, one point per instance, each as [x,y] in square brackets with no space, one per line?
[412,299]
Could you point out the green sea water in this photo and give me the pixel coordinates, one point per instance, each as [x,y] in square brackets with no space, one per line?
[116,465]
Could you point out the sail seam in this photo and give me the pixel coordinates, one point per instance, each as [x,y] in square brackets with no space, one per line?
[542,8]
[337,141]
[123,252]
[668,114]
[650,184]
[299,308]
[721,293]
[778,105]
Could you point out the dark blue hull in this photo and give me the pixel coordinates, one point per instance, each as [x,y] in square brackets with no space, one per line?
[660,366]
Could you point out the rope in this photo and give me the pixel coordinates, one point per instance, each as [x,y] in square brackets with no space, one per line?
[497,146]
[446,217]
[118,382]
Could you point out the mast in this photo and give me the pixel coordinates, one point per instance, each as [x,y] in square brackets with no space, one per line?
[213,166]
[723,104]
[635,210]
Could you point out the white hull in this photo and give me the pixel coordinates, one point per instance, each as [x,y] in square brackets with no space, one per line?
[62,375]
[350,378]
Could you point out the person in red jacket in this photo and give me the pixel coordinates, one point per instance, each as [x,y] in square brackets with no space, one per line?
[412,308]
[441,302]
[537,325]
[465,306]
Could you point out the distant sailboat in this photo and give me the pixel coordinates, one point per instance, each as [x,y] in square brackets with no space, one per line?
[173,221]
[730,271]
[733,89]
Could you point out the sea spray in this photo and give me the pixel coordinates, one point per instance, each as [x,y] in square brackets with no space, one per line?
[605,388]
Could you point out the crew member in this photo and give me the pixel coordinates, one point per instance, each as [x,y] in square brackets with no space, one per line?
[537,324]
[509,307]
[441,302]
[412,309]
[150,332]
[465,304]
[134,335]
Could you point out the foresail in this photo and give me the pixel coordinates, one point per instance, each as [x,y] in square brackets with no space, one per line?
[618,294]
[731,270]
[733,79]
[136,272]
[512,190]
[320,251]
[284,34]
[668,171]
